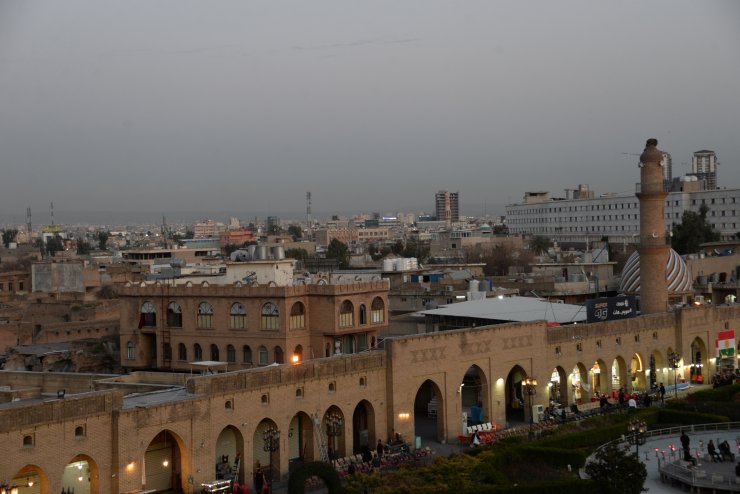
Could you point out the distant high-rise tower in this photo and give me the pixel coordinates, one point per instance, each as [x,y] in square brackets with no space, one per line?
[667,165]
[704,166]
[447,205]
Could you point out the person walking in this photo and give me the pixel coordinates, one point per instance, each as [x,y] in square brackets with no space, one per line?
[259,479]
[661,392]
[379,449]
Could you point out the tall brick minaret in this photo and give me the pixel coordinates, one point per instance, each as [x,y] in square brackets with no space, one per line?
[653,247]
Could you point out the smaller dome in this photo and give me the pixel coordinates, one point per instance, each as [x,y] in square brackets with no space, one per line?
[677,275]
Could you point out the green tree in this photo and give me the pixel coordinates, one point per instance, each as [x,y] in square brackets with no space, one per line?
[83,247]
[103,239]
[416,248]
[295,231]
[398,247]
[539,244]
[693,230]
[54,244]
[189,233]
[9,236]
[500,230]
[338,250]
[617,471]
[299,254]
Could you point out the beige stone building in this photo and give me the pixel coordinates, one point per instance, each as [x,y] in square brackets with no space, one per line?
[157,430]
[166,327]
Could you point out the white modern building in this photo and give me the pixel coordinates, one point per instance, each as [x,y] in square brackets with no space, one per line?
[617,216]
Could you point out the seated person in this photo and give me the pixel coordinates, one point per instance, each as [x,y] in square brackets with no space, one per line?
[687,456]
[724,450]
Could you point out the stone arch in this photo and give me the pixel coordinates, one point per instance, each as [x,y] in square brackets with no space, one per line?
[619,373]
[514,395]
[301,441]
[32,474]
[598,378]
[578,384]
[638,370]
[559,389]
[474,396]
[81,474]
[363,427]
[332,429]
[266,452]
[166,462]
[698,358]
[230,445]
[429,417]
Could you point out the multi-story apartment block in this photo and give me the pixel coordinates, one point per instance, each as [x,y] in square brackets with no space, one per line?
[208,229]
[447,206]
[167,327]
[704,166]
[618,216]
[351,236]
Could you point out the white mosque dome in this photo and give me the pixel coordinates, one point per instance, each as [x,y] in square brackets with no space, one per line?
[677,275]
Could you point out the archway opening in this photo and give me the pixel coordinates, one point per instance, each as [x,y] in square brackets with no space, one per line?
[333,431]
[31,479]
[429,412]
[301,447]
[81,476]
[620,379]
[638,373]
[696,360]
[229,454]
[266,449]
[363,427]
[474,397]
[516,401]
[163,463]
[579,384]
[558,387]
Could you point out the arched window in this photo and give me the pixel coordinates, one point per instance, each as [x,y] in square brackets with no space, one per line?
[148,316]
[182,352]
[298,352]
[214,353]
[231,354]
[247,354]
[297,316]
[263,355]
[279,359]
[238,318]
[377,311]
[346,315]
[197,352]
[205,315]
[363,314]
[174,315]
[130,350]
[270,316]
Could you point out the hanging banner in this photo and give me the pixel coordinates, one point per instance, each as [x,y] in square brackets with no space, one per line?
[607,309]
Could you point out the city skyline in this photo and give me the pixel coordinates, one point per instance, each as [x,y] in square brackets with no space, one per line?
[153,107]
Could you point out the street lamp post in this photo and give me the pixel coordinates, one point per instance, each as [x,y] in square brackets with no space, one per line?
[673,359]
[636,434]
[271,438]
[334,424]
[530,388]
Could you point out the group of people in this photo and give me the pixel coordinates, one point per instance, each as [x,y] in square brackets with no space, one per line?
[725,378]
[720,452]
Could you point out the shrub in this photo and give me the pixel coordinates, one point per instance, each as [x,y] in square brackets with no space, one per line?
[324,471]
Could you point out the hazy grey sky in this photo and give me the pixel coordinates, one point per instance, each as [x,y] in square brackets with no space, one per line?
[164,105]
